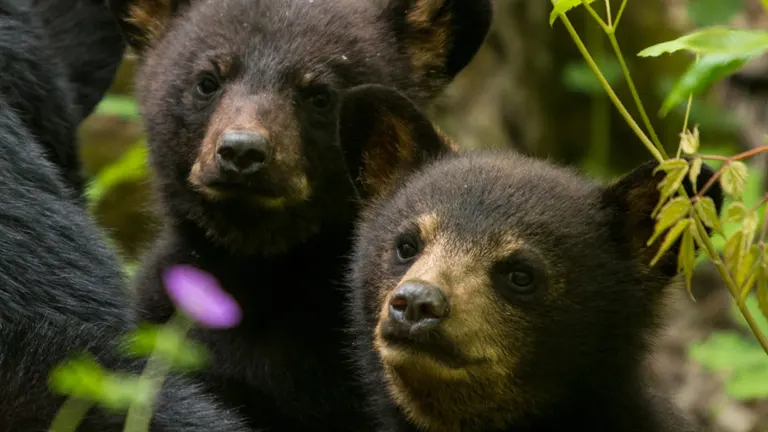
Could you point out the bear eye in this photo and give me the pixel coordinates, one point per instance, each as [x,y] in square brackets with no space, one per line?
[407,249]
[207,85]
[321,97]
[521,279]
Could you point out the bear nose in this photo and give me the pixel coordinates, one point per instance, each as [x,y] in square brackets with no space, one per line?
[418,303]
[243,152]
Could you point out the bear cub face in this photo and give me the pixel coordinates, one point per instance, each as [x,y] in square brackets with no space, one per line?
[492,287]
[241,98]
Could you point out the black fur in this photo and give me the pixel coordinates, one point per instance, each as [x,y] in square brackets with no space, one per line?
[582,338]
[283,365]
[82,46]
[61,287]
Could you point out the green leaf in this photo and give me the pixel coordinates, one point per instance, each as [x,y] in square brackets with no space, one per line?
[714,40]
[671,165]
[672,182]
[765,4]
[701,74]
[132,166]
[749,384]
[694,171]
[749,228]
[689,141]
[762,287]
[686,259]
[675,210]
[117,105]
[735,212]
[563,6]
[670,238]
[745,271]
[707,211]
[170,344]
[711,12]
[734,178]
[724,351]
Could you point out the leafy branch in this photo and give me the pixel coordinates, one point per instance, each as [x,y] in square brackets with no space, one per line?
[719,51]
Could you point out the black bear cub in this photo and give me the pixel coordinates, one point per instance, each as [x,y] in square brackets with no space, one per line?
[495,292]
[240,100]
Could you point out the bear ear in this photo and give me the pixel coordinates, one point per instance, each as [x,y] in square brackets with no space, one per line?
[384,137]
[631,201]
[144,21]
[440,36]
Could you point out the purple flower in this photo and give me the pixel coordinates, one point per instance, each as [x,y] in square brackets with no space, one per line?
[199,295]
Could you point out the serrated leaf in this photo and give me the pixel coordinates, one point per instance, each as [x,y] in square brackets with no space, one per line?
[669,240]
[672,182]
[734,178]
[701,74]
[563,6]
[735,212]
[713,40]
[689,141]
[669,165]
[675,210]
[686,259]
[707,212]
[749,228]
[694,171]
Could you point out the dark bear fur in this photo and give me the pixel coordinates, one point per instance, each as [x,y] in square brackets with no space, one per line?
[61,287]
[277,242]
[534,306]
[82,46]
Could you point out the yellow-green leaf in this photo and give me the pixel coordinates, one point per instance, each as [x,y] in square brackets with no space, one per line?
[746,269]
[733,250]
[686,259]
[563,6]
[694,171]
[749,228]
[707,212]
[735,212]
[762,291]
[701,74]
[669,165]
[670,238]
[675,210]
[689,141]
[672,182]
[734,178]
[713,40]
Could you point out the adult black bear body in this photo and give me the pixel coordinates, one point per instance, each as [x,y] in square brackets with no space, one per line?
[61,287]
[240,101]
[81,43]
[494,292]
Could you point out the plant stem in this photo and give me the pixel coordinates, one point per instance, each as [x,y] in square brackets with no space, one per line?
[710,182]
[744,155]
[730,283]
[71,413]
[685,121]
[139,415]
[608,13]
[611,94]
[618,15]
[596,16]
[635,94]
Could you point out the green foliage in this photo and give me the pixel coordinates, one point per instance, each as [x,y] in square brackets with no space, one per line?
[117,105]
[83,378]
[722,51]
[719,51]
[710,12]
[741,359]
[132,166]
[168,343]
[563,6]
